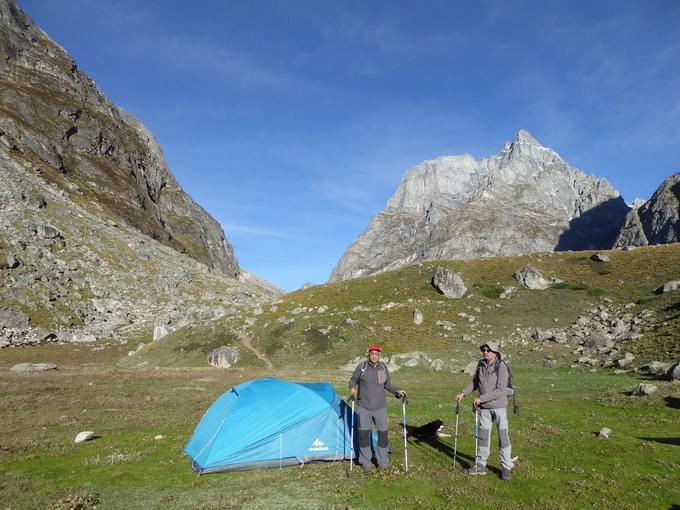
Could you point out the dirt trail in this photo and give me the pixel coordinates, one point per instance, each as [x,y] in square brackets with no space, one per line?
[245,340]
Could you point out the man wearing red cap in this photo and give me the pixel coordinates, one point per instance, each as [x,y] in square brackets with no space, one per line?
[368,384]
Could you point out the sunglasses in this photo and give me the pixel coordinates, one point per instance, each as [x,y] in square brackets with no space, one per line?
[486,350]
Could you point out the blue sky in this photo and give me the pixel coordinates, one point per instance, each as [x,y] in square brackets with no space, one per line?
[292,122]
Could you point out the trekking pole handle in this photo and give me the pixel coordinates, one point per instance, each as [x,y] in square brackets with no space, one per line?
[404,400]
[457,406]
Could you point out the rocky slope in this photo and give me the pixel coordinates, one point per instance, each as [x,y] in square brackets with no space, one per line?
[54,116]
[97,239]
[524,199]
[656,221]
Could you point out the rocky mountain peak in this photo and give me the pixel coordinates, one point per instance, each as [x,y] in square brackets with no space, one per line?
[524,199]
[526,137]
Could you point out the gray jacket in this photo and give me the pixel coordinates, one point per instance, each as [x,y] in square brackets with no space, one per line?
[372,382]
[492,388]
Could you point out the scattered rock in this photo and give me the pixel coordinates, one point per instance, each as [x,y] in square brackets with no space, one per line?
[449,283]
[13,319]
[224,357]
[162,331]
[673,373]
[33,367]
[599,257]
[668,287]
[604,433]
[626,360]
[437,365]
[655,368]
[644,389]
[530,278]
[417,317]
[471,368]
[84,436]
[549,363]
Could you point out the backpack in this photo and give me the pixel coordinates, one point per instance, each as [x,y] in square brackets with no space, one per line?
[510,391]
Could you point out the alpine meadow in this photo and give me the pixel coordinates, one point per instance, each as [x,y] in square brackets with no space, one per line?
[143,366]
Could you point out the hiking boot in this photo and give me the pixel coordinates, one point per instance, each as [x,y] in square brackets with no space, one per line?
[505,474]
[475,470]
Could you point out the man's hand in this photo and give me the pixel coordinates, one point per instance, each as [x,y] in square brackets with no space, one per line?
[400,394]
[460,397]
[477,402]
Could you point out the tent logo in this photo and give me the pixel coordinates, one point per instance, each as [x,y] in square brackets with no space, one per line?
[318,446]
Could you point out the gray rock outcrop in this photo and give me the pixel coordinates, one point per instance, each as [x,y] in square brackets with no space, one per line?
[97,240]
[531,278]
[224,357]
[525,199]
[33,367]
[449,283]
[657,221]
[54,117]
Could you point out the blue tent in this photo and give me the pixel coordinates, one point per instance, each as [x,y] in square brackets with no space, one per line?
[271,423]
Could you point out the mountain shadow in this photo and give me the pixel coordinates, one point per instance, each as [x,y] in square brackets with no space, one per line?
[596,229]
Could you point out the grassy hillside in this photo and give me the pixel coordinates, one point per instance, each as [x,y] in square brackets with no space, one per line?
[328,325]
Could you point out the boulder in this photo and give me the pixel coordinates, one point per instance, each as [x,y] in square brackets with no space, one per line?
[437,365]
[162,331]
[14,320]
[599,257]
[471,368]
[673,373]
[449,283]
[604,433]
[549,363]
[542,335]
[655,368]
[644,389]
[224,357]
[626,360]
[33,367]
[530,278]
[668,287]
[83,436]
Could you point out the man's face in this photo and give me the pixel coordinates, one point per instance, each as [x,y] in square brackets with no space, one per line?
[374,356]
[489,355]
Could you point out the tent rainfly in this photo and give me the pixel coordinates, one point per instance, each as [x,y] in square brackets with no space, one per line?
[271,423]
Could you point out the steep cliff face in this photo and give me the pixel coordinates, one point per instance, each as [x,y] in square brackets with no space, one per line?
[53,116]
[657,221]
[524,199]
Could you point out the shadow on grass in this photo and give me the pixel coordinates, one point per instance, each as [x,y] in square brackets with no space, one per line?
[675,441]
[465,461]
[672,402]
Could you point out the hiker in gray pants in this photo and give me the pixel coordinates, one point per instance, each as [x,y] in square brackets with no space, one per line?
[368,384]
[491,380]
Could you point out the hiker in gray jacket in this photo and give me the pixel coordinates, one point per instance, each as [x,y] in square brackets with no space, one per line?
[368,384]
[491,380]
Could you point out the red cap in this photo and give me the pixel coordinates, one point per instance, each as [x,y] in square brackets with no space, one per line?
[374,347]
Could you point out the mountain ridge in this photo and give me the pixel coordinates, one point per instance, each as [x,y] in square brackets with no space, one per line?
[524,199]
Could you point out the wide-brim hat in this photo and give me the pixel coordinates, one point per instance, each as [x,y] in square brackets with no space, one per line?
[492,346]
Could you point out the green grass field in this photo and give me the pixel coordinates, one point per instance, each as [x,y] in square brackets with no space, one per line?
[562,463]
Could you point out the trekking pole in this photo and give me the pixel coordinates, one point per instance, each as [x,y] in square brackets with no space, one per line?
[455,439]
[475,409]
[403,412]
[351,436]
